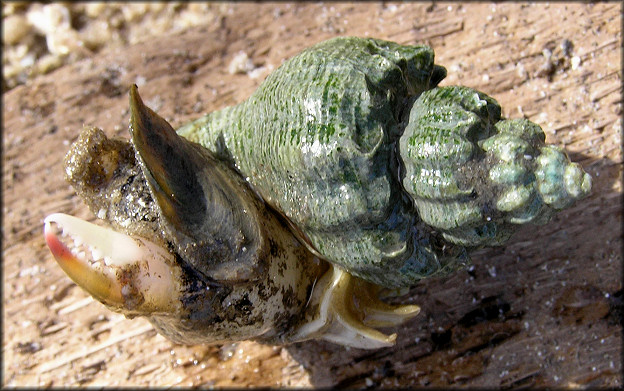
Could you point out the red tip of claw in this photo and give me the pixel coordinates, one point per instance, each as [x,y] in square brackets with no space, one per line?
[114,267]
[95,282]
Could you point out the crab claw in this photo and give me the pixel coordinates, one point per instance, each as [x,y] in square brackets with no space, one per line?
[128,274]
[349,309]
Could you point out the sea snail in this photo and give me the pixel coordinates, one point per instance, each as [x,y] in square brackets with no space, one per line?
[282,218]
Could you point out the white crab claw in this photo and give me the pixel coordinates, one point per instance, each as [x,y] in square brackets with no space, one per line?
[129,274]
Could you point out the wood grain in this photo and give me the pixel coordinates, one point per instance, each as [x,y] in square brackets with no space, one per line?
[544,310]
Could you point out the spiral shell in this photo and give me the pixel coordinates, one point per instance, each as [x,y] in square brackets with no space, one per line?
[379,170]
[282,218]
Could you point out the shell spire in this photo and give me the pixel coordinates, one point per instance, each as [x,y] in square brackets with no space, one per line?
[475,176]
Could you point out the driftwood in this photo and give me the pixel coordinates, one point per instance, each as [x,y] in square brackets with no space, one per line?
[544,310]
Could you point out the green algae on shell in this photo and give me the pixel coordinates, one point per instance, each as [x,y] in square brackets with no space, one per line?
[381,171]
[282,218]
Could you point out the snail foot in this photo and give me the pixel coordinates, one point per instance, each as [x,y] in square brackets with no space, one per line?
[349,310]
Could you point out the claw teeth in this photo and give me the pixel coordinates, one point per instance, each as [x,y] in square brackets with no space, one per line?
[103,262]
[73,241]
[97,254]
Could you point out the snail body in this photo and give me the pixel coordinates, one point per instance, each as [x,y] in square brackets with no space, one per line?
[281,219]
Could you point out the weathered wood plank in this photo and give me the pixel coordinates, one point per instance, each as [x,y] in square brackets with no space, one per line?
[545,310]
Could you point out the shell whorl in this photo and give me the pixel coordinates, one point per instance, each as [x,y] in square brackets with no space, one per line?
[319,140]
[476,177]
